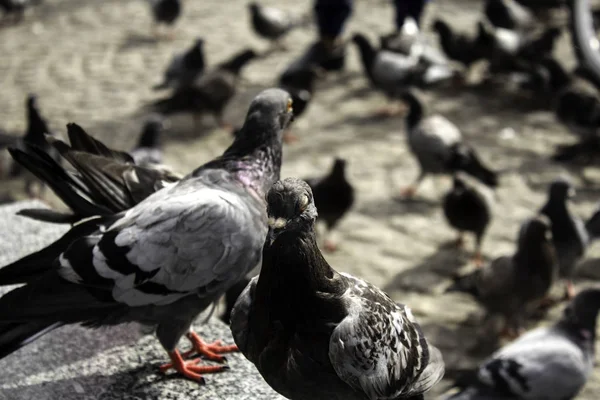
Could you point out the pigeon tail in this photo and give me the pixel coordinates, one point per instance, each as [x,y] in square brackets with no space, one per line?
[15,335]
[465,159]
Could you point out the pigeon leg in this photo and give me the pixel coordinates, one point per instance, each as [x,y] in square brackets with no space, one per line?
[190,368]
[569,290]
[289,137]
[210,351]
[410,191]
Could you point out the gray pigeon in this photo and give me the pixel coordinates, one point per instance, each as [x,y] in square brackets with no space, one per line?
[438,146]
[316,334]
[163,261]
[550,363]
[271,23]
[147,152]
[508,284]
[568,230]
[184,68]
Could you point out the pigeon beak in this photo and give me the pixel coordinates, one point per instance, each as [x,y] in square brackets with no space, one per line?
[272,235]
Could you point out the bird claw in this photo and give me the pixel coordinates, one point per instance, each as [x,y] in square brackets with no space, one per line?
[190,368]
[210,351]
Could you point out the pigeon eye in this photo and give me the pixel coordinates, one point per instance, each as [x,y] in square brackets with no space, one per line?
[289,107]
[303,202]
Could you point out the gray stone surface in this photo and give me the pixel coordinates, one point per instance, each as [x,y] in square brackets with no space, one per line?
[92,62]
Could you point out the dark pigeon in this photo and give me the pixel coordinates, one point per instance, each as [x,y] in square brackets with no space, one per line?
[568,230]
[550,363]
[185,244]
[271,23]
[508,14]
[459,47]
[210,93]
[316,334]
[334,197]
[165,12]
[148,152]
[508,285]
[468,208]
[184,68]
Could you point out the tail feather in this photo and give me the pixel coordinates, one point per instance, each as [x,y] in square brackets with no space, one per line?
[465,159]
[32,266]
[66,185]
[81,141]
[13,336]
[46,215]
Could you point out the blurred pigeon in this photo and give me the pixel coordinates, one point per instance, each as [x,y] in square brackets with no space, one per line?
[550,363]
[185,245]
[148,151]
[459,47]
[403,40]
[334,196]
[211,92]
[568,230]
[437,144]
[592,225]
[314,333]
[15,9]
[468,209]
[184,68]
[508,14]
[165,12]
[392,72]
[104,181]
[271,23]
[37,127]
[508,284]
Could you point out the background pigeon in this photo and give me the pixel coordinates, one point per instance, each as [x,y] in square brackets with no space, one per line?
[568,230]
[508,285]
[333,196]
[550,363]
[467,208]
[165,12]
[316,334]
[184,68]
[271,23]
[437,144]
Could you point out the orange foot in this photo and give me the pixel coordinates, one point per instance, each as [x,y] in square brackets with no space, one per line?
[478,258]
[408,192]
[190,368]
[569,290]
[210,351]
[329,246]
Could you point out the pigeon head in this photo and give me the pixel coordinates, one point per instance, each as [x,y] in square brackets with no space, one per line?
[339,167]
[582,312]
[253,7]
[415,108]
[536,229]
[561,189]
[558,76]
[290,207]
[441,27]
[458,183]
[272,108]
[31,101]
[200,42]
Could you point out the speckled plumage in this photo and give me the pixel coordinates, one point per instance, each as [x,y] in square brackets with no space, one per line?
[316,334]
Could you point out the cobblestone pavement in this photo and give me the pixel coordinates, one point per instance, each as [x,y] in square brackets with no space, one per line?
[94,62]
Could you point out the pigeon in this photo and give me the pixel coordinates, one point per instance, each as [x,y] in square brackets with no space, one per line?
[163,261]
[467,208]
[300,84]
[459,47]
[147,151]
[104,181]
[549,363]
[184,68]
[271,23]
[568,230]
[508,14]
[592,225]
[314,333]
[437,144]
[508,284]
[165,12]
[231,297]
[37,127]
[210,92]
[392,73]
[334,196]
